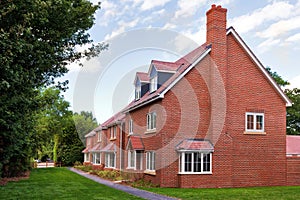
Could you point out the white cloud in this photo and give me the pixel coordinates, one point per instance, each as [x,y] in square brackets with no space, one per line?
[122,28]
[149,4]
[294,82]
[267,44]
[280,28]
[275,11]
[188,8]
[293,38]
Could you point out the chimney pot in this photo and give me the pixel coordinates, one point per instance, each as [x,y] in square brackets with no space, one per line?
[213,6]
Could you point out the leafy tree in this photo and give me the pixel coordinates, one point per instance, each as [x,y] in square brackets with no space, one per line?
[85,122]
[38,39]
[293,112]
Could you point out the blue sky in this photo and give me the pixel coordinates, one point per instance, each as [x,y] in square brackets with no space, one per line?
[141,30]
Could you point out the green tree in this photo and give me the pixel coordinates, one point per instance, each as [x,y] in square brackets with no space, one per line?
[38,39]
[85,122]
[293,112]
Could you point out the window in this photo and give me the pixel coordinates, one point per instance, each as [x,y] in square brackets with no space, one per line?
[151,121]
[113,132]
[110,160]
[196,162]
[138,92]
[99,136]
[255,122]
[153,84]
[130,126]
[150,159]
[86,157]
[97,158]
[131,159]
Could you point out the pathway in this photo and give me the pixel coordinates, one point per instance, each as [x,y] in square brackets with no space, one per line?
[134,191]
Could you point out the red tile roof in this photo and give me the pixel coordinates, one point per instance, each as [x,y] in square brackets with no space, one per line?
[143,76]
[195,145]
[165,66]
[113,120]
[111,147]
[96,147]
[292,145]
[90,134]
[86,150]
[136,143]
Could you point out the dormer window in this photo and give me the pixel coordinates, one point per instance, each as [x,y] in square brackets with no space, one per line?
[138,92]
[153,84]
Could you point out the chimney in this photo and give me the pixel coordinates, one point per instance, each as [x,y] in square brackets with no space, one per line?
[216,36]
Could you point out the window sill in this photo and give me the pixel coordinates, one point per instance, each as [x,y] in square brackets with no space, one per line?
[132,168]
[150,172]
[112,139]
[254,133]
[150,131]
[195,173]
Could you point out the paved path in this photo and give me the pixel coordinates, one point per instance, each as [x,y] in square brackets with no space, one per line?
[134,191]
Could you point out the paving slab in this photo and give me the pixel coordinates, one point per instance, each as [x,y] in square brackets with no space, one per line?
[134,191]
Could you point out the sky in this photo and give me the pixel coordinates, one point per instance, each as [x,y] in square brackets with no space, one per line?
[138,31]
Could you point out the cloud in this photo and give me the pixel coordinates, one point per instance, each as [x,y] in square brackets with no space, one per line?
[267,44]
[280,28]
[294,82]
[122,28]
[188,8]
[149,4]
[293,38]
[275,11]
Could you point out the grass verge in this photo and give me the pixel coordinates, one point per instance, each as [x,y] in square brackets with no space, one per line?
[59,183]
[265,193]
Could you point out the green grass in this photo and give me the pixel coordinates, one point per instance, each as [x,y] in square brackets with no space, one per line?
[59,183]
[264,193]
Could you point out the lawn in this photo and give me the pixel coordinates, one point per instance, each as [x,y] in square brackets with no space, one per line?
[59,183]
[264,193]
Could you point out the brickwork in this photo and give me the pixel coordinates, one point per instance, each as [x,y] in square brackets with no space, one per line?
[293,170]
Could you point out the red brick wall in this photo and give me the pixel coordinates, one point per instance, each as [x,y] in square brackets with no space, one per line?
[258,160]
[293,170]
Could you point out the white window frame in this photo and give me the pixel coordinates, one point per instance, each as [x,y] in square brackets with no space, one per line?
[150,161]
[254,122]
[109,158]
[86,157]
[131,159]
[153,84]
[151,121]
[138,92]
[96,156]
[113,132]
[130,127]
[182,169]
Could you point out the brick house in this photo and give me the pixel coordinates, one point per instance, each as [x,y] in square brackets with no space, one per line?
[213,118]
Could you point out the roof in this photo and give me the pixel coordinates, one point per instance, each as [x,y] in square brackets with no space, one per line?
[90,134]
[195,145]
[96,148]
[184,65]
[165,66]
[136,143]
[111,147]
[86,150]
[115,119]
[292,145]
[143,76]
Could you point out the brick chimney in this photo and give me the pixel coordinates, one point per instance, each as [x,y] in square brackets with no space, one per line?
[216,36]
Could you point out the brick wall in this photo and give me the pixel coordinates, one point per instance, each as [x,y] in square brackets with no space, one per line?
[293,170]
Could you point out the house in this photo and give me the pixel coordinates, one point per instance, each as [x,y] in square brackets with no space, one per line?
[213,118]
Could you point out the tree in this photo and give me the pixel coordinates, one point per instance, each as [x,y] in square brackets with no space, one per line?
[38,40]
[85,122]
[293,112]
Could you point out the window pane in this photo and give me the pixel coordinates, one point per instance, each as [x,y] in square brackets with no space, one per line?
[197,162]
[188,162]
[206,163]
[259,122]
[250,122]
